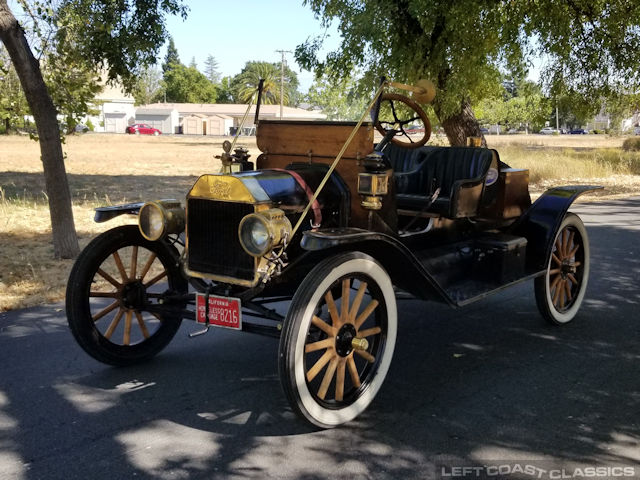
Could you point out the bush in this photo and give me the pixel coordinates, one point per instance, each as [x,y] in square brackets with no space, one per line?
[90,125]
[631,145]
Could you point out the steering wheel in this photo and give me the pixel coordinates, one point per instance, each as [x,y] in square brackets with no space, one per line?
[403,136]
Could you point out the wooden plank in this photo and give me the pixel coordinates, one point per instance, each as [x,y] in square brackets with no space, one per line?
[323,139]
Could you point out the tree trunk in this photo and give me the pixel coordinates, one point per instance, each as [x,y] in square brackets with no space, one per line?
[65,240]
[461,126]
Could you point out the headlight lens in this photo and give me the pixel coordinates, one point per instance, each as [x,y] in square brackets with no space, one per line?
[157,219]
[260,232]
[151,221]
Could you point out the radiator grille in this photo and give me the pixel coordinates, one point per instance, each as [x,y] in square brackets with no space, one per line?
[214,247]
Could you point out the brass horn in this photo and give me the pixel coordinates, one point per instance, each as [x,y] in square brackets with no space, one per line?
[424,91]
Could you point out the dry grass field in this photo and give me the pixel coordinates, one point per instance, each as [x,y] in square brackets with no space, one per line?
[106,169]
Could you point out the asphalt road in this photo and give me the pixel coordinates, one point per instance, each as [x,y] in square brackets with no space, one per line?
[489,388]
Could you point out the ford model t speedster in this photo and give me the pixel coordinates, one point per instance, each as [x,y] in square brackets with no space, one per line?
[336,226]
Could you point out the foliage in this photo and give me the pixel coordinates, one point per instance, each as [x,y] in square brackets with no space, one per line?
[520,104]
[120,37]
[149,88]
[13,104]
[225,93]
[211,69]
[245,84]
[462,45]
[338,99]
[188,85]
[631,145]
[171,57]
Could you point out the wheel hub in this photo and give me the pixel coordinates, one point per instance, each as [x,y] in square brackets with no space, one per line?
[133,295]
[567,267]
[344,339]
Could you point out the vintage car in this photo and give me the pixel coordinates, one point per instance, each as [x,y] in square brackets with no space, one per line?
[336,227]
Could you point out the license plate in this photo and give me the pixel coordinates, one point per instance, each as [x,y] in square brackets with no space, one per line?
[223,311]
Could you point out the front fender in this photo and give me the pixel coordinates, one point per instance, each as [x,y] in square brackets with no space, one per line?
[540,223]
[404,268]
[104,214]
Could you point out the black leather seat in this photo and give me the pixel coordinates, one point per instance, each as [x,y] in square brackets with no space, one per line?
[459,172]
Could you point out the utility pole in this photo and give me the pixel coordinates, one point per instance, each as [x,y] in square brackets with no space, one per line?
[282,52]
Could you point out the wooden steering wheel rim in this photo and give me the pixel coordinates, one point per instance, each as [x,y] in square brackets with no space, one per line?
[416,108]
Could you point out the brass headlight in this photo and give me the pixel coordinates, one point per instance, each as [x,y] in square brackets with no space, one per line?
[157,219]
[261,232]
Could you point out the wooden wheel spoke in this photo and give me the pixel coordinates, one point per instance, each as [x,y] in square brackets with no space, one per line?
[114,323]
[105,310]
[333,310]
[556,259]
[141,324]
[567,288]
[147,266]
[353,371]
[156,279]
[357,301]
[366,355]
[109,278]
[319,365]
[577,264]
[340,380]
[572,278]
[555,271]
[573,252]
[561,290]
[126,337]
[559,246]
[312,347]
[120,265]
[369,331]
[326,380]
[345,300]
[322,325]
[365,313]
[104,294]
[134,262]
[569,244]
[556,295]
[555,282]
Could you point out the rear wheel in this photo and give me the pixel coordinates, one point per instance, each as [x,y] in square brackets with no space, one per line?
[560,291]
[114,281]
[338,339]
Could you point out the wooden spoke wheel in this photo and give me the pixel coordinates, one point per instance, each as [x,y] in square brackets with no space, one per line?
[403,115]
[560,291]
[338,339]
[112,284]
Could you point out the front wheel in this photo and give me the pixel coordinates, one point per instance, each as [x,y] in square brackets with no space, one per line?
[338,339]
[114,283]
[560,291]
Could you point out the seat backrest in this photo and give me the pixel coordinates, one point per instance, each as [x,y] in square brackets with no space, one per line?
[406,159]
[447,165]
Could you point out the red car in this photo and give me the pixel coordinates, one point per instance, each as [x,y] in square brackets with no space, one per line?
[142,128]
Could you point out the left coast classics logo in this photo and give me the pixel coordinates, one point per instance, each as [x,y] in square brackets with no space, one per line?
[220,189]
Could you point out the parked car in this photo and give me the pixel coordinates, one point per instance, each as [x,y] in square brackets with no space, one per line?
[414,129]
[142,129]
[578,131]
[484,130]
[316,244]
[81,128]
[636,131]
[548,131]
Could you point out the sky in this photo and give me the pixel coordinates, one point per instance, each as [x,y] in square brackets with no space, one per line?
[235,33]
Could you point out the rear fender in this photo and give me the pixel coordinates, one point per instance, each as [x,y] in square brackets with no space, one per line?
[403,267]
[540,223]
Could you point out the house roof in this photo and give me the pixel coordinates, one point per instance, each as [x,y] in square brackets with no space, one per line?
[236,110]
[154,111]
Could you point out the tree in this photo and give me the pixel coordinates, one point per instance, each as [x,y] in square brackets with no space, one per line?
[462,45]
[225,93]
[339,100]
[171,57]
[188,85]
[211,69]
[120,37]
[149,87]
[246,82]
